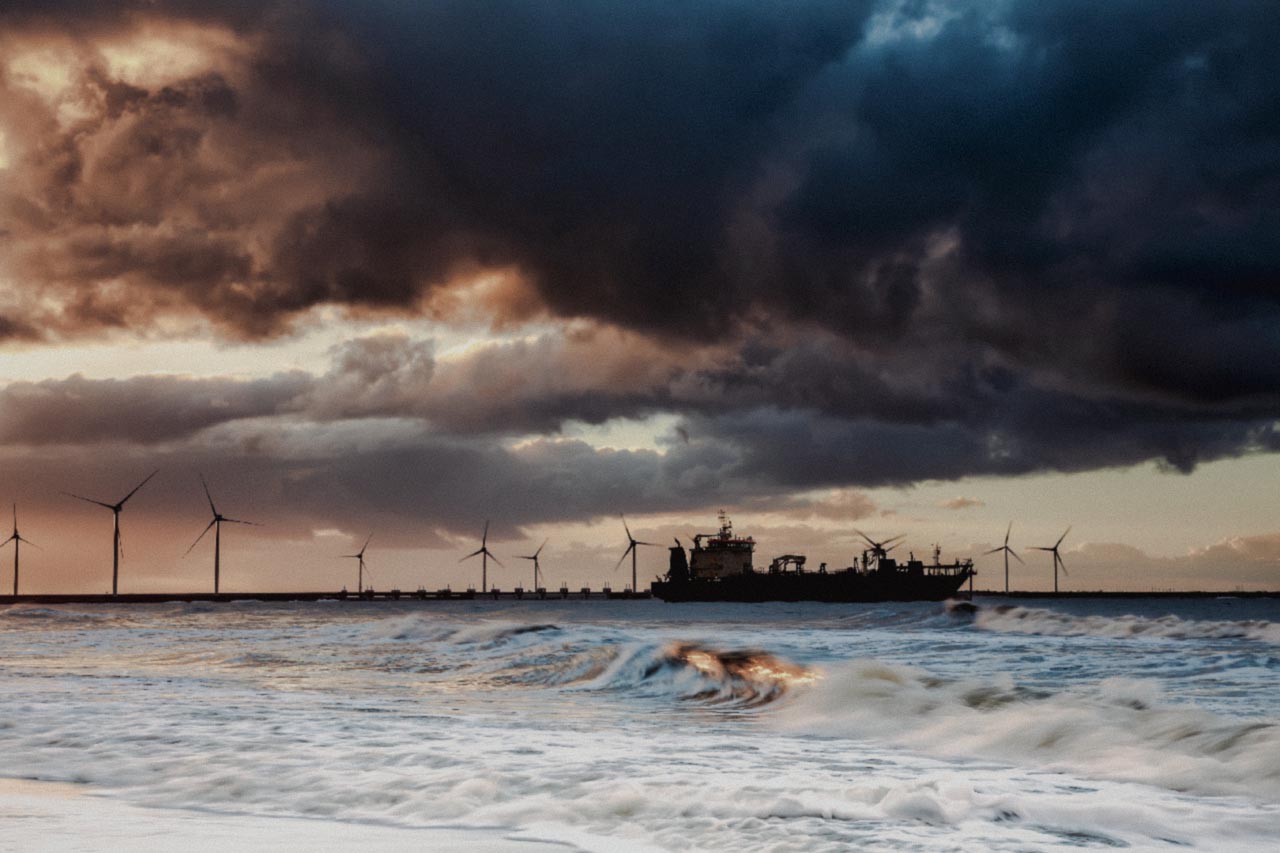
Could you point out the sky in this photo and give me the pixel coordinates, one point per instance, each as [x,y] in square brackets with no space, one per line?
[907,267]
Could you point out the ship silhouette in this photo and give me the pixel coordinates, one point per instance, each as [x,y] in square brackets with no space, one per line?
[719,567]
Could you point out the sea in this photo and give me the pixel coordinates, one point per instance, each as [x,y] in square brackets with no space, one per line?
[1001,725]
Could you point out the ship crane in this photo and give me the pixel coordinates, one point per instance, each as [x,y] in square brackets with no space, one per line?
[787,563]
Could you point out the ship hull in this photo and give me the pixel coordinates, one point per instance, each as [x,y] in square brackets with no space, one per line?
[833,587]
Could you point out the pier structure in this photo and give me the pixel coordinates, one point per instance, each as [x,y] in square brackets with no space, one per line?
[564,593]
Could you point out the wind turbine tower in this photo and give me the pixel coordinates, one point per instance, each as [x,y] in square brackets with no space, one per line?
[216,524]
[17,539]
[485,555]
[1007,551]
[115,508]
[537,569]
[878,549]
[1057,558]
[359,555]
[632,545]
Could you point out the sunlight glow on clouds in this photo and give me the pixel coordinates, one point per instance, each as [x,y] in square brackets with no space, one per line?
[387,265]
[155,54]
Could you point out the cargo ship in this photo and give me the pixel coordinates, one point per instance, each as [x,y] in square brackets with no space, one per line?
[720,567]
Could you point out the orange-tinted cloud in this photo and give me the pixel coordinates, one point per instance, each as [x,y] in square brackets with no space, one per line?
[961,502]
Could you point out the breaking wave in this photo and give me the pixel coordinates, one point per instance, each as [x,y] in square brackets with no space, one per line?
[605,732]
[489,632]
[694,672]
[52,615]
[503,653]
[1029,620]
[1121,729]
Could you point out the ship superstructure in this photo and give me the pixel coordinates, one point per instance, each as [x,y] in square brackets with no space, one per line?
[720,555]
[720,567]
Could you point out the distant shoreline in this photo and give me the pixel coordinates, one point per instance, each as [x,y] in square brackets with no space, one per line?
[523,595]
[584,594]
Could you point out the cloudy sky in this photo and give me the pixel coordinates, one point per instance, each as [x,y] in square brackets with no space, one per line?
[916,267]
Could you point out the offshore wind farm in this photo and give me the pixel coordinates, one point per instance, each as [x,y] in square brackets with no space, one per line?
[870,412]
[784,576]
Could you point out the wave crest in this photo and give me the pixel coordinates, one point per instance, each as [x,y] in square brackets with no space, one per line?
[1121,729]
[744,678]
[1029,620]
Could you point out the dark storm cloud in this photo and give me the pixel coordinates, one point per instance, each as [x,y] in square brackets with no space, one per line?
[418,489]
[502,389]
[804,415]
[878,242]
[141,410]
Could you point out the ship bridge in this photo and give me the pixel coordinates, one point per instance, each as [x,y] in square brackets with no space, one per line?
[721,554]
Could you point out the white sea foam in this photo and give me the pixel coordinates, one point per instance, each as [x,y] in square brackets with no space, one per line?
[1029,620]
[692,671]
[26,612]
[419,627]
[639,732]
[1120,729]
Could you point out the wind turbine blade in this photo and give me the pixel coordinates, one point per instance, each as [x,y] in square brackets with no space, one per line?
[1007,532]
[540,547]
[624,556]
[10,539]
[366,543]
[207,495]
[653,544]
[992,551]
[484,537]
[870,541]
[495,559]
[472,554]
[1062,564]
[88,500]
[139,486]
[238,521]
[201,536]
[630,538]
[894,539]
[27,541]
[1063,536]
[1016,557]
[1038,548]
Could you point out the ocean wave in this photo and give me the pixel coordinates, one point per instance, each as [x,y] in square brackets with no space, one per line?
[686,671]
[1029,620]
[1121,729]
[502,654]
[486,632]
[51,614]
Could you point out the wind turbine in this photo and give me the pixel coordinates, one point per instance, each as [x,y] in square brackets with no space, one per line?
[632,543]
[878,547]
[1007,551]
[1057,558]
[17,540]
[116,548]
[359,555]
[537,569]
[485,555]
[216,524]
